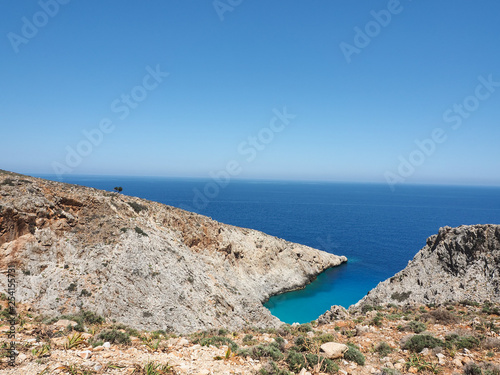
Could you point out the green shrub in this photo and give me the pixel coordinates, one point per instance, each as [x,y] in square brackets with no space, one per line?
[217,341]
[489,308]
[249,340]
[140,231]
[303,344]
[400,297]
[307,327]
[383,349]
[417,327]
[114,336]
[417,343]
[390,371]
[95,343]
[353,354]
[85,293]
[461,342]
[297,361]
[71,287]
[137,207]
[484,368]
[327,337]
[266,351]
[377,320]
[279,342]
[441,316]
[272,368]
[366,308]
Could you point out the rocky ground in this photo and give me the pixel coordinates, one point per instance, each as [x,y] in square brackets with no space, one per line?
[450,339]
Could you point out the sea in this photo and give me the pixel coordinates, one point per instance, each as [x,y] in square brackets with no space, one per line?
[377,229]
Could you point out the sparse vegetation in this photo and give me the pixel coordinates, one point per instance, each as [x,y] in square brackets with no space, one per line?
[417,327]
[114,336]
[417,343]
[383,349]
[354,354]
[140,231]
[217,341]
[137,207]
[400,297]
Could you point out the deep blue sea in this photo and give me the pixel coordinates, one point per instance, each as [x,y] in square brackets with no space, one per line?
[378,230]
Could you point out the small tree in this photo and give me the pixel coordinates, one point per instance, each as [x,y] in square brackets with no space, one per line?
[119,189]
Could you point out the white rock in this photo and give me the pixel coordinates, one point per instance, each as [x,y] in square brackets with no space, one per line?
[333,350]
[65,322]
[106,345]
[441,359]
[86,354]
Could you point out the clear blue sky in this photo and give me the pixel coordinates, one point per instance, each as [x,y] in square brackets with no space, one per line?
[354,120]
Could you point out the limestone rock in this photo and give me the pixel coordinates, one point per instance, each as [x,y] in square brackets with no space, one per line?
[333,350]
[63,323]
[456,264]
[335,313]
[143,264]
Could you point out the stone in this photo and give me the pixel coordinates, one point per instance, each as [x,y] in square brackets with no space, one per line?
[333,350]
[441,358]
[335,313]
[85,354]
[106,345]
[59,342]
[457,362]
[425,352]
[63,323]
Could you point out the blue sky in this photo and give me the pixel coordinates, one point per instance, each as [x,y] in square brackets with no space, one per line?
[231,69]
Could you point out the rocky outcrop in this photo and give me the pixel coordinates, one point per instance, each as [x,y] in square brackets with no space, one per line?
[142,263]
[336,312]
[457,264]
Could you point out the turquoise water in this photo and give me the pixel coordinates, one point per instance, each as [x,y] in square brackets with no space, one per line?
[378,230]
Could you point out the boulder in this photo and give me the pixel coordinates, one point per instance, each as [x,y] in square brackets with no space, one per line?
[333,350]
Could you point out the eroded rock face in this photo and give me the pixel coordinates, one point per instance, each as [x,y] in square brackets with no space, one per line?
[456,264]
[143,263]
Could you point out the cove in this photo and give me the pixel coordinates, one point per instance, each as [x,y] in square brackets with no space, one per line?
[342,285]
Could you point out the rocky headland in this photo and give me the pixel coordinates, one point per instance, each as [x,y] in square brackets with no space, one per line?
[456,264]
[142,263]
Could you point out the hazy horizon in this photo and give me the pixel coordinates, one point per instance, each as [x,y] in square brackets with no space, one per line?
[395,92]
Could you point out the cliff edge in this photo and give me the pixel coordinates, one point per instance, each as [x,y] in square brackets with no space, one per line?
[457,264]
[142,263]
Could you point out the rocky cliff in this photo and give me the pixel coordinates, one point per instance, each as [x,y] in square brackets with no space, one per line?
[142,263]
[457,264]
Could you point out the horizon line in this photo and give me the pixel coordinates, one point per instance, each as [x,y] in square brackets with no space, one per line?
[260,179]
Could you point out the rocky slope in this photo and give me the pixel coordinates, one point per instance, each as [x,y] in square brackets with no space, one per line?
[461,339]
[457,264]
[142,263]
